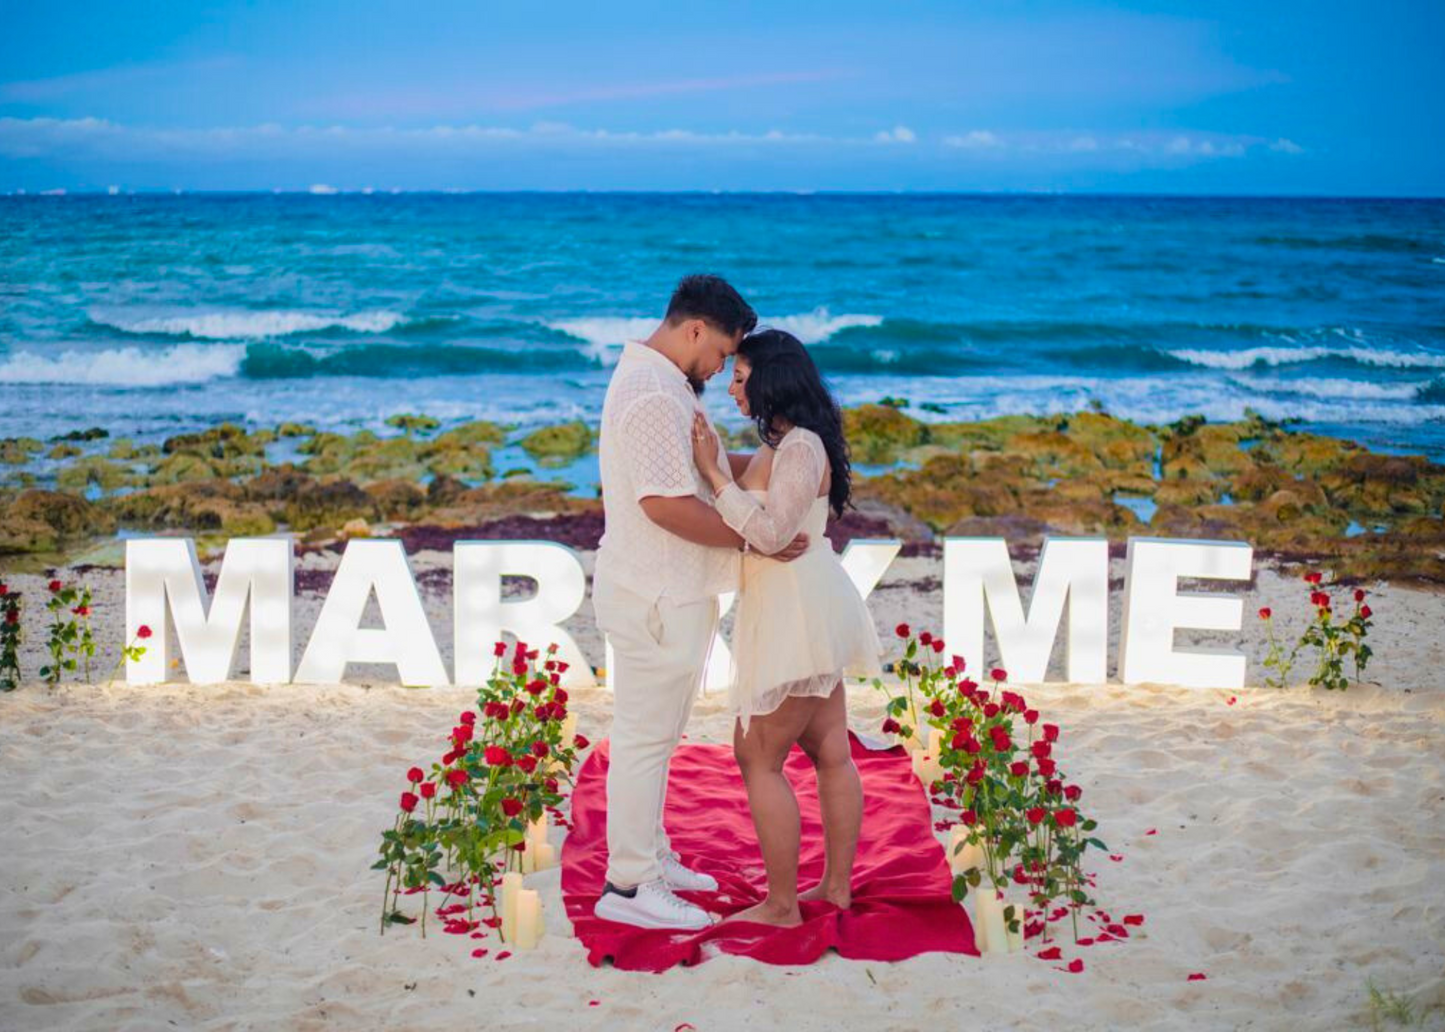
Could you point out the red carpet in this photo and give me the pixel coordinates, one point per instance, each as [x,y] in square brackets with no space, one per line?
[901,900]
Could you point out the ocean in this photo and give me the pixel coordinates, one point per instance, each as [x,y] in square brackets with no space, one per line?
[150,315]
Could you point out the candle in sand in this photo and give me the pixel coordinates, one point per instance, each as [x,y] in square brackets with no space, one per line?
[511,885]
[529,919]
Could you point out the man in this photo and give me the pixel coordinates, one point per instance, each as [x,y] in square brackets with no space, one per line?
[664,557]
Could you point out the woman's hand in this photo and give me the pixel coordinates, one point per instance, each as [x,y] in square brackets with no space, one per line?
[705,452]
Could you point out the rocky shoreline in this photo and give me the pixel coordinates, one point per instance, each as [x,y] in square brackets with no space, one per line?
[1298,497]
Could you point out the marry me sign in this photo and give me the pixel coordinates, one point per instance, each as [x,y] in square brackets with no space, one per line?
[165,591]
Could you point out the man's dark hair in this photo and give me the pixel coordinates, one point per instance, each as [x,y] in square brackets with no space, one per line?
[713,300]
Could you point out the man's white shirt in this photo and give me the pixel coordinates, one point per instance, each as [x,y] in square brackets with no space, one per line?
[645,448]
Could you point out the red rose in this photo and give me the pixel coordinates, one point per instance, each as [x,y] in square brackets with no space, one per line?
[542,712]
[925,638]
[451,756]
[408,802]
[1314,578]
[527,763]
[1035,814]
[461,734]
[143,631]
[517,706]
[958,664]
[4,589]
[561,667]
[81,610]
[540,749]
[998,674]
[891,726]
[1051,732]
[968,817]
[1041,749]
[427,790]
[551,664]
[560,695]
[54,585]
[12,616]
[973,746]
[990,710]
[1072,793]
[511,807]
[1047,768]
[519,667]
[1031,716]
[532,654]
[1365,612]
[499,649]
[551,785]
[937,644]
[1053,786]
[521,649]
[962,724]
[457,778]
[496,756]
[1265,613]
[901,630]
[975,774]
[1359,594]
[959,740]
[1065,818]
[936,707]
[414,775]
[1019,768]
[468,718]
[536,687]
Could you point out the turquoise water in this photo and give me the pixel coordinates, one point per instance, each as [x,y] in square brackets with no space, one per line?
[153,314]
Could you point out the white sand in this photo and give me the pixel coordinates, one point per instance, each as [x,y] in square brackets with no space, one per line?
[198,857]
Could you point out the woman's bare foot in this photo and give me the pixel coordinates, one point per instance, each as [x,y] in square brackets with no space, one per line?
[769,913]
[840,898]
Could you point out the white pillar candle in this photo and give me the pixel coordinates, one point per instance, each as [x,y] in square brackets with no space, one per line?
[936,739]
[537,830]
[962,857]
[989,933]
[511,885]
[569,728]
[529,919]
[544,856]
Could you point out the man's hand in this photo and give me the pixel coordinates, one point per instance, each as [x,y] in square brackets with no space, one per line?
[794,548]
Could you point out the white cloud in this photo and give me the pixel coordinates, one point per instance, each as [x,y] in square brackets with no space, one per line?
[979,139]
[1286,146]
[898,134]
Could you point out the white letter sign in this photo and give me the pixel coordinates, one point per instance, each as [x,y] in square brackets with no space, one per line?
[339,638]
[1154,608]
[163,579]
[978,576]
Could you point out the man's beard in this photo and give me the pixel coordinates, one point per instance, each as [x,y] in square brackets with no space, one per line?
[696,385]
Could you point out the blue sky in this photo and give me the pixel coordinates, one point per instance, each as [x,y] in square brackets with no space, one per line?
[1281,97]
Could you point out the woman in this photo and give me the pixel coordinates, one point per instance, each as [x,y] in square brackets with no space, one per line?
[801,626]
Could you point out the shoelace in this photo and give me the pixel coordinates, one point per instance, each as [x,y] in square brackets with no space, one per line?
[672,899]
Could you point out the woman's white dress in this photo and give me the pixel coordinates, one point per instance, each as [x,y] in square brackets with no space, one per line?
[800,625]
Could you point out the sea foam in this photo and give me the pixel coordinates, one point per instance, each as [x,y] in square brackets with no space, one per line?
[129,367]
[246,325]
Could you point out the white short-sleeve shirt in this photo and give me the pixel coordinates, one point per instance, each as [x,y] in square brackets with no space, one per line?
[645,448]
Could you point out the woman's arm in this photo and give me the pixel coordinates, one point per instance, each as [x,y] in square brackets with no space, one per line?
[798,469]
[738,461]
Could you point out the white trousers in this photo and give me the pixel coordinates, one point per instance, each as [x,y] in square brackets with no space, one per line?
[659,655]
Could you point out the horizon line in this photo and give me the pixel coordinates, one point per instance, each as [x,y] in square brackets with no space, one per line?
[57,193]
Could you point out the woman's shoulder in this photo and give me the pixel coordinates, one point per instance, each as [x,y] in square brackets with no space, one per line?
[802,435]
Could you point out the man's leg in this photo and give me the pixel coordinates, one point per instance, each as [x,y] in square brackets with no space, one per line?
[655,650]
[664,845]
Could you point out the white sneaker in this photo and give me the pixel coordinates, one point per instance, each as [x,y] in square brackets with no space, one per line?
[651,905]
[685,879]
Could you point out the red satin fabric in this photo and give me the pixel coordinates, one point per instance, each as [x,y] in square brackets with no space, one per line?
[902,905]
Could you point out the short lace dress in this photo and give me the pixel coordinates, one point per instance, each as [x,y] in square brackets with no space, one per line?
[801,626]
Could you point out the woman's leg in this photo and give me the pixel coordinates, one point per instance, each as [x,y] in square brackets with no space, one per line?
[761,754]
[840,796]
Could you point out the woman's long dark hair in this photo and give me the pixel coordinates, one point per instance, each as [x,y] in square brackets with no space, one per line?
[785,383]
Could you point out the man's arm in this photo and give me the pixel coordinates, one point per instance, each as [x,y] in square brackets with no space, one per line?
[737,462]
[691,519]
